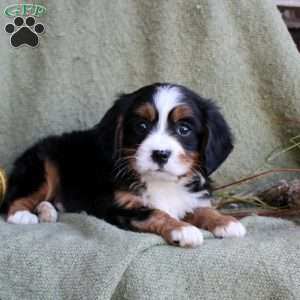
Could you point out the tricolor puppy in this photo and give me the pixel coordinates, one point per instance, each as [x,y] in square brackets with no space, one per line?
[144,167]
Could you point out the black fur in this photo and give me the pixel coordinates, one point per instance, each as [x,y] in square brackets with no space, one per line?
[217,140]
[86,159]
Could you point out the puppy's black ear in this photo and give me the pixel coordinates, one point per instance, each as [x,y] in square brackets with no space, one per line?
[219,140]
[109,131]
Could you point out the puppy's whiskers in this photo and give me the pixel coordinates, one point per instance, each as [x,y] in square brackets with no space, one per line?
[136,186]
[122,167]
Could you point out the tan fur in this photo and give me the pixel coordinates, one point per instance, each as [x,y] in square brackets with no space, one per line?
[128,200]
[191,159]
[119,133]
[29,203]
[52,179]
[146,111]
[46,192]
[208,218]
[159,223]
[181,112]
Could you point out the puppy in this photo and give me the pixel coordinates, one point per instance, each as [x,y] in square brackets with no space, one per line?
[144,167]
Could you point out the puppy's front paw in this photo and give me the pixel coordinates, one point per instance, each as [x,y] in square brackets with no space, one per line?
[23,217]
[231,229]
[187,236]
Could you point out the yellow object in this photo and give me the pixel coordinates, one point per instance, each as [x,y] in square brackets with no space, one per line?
[3,184]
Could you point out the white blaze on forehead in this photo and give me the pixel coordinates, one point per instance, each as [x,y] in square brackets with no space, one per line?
[165,99]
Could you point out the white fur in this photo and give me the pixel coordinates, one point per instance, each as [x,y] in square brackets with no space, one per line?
[160,141]
[170,196]
[23,217]
[47,212]
[232,229]
[187,236]
[166,99]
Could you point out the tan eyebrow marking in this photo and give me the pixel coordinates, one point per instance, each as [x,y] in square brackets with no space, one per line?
[146,111]
[181,112]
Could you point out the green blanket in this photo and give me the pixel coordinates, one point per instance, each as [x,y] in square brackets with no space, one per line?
[85,258]
[238,52]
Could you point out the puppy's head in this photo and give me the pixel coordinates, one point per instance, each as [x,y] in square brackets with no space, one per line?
[167,131]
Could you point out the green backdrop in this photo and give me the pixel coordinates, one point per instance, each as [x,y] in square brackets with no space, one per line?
[237,52]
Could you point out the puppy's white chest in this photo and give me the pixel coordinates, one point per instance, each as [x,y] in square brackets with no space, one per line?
[173,198]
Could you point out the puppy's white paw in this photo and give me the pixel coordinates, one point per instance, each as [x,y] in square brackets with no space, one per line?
[187,236]
[232,229]
[23,217]
[46,212]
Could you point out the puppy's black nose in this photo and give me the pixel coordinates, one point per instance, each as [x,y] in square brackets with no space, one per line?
[161,156]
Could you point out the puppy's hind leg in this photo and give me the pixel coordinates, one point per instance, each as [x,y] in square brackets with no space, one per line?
[32,181]
[46,212]
[21,209]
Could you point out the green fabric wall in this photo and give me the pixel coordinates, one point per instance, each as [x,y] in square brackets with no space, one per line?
[237,52]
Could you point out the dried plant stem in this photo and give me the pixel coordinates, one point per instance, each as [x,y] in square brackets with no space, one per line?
[246,200]
[279,170]
[279,213]
[295,144]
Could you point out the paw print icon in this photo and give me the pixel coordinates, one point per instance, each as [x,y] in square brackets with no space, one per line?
[24,31]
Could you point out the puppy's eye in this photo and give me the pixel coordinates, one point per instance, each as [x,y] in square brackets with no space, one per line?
[142,127]
[183,130]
